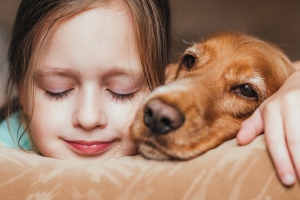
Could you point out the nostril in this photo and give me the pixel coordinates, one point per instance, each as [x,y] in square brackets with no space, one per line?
[166,121]
[148,111]
[148,114]
[161,118]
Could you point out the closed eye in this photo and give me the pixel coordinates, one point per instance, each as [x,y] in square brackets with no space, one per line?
[58,95]
[122,97]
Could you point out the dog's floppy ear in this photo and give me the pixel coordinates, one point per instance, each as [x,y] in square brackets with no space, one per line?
[171,73]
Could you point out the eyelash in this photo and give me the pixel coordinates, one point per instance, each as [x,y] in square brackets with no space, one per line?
[65,94]
[122,97]
[59,95]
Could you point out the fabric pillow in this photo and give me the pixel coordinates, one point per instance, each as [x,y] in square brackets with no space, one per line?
[227,172]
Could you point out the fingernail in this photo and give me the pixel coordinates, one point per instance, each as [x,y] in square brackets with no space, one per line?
[288,179]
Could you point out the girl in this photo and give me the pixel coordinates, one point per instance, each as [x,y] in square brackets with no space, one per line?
[81,68]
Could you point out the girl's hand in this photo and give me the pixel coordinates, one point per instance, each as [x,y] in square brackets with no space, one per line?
[279,118]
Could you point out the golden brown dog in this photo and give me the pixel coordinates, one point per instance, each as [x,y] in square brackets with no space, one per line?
[214,87]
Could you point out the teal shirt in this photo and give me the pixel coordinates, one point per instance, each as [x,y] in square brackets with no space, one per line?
[10,139]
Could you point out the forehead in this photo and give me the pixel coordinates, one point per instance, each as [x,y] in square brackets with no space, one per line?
[103,35]
[94,24]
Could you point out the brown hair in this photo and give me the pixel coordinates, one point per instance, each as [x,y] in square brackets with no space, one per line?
[35,18]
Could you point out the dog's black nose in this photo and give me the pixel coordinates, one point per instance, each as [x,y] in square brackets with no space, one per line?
[161,118]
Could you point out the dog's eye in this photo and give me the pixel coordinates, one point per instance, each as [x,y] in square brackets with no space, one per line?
[246,91]
[189,61]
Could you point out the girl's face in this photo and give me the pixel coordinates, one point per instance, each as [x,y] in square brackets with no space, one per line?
[88,85]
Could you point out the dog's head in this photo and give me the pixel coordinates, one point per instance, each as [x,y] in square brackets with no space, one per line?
[215,86]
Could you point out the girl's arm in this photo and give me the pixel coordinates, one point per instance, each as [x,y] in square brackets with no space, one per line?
[279,118]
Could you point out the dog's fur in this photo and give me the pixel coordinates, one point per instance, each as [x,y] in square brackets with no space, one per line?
[215,86]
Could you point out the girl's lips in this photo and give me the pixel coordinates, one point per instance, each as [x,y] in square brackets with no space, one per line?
[89,148]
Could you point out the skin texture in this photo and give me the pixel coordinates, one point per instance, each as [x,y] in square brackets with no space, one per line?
[88,85]
[278,117]
[208,91]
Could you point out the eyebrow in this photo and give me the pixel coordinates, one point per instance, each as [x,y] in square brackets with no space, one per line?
[118,71]
[55,72]
[69,72]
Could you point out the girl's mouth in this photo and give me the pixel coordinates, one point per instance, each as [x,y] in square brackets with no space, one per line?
[89,148]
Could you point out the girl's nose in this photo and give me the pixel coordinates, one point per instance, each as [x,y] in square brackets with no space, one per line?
[90,113]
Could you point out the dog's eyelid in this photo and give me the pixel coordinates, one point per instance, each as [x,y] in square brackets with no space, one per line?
[188,54]
[193,51]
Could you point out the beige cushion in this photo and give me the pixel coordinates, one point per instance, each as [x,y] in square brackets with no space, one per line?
[227,172]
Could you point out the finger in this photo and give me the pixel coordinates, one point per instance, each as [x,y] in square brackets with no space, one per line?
[250,128]
[293,137]
[275,138]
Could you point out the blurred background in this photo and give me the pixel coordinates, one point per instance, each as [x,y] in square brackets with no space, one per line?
[277,21]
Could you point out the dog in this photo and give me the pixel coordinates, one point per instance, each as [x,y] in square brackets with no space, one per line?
[214,87]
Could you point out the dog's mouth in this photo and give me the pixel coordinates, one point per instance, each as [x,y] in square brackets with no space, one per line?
[151,151]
